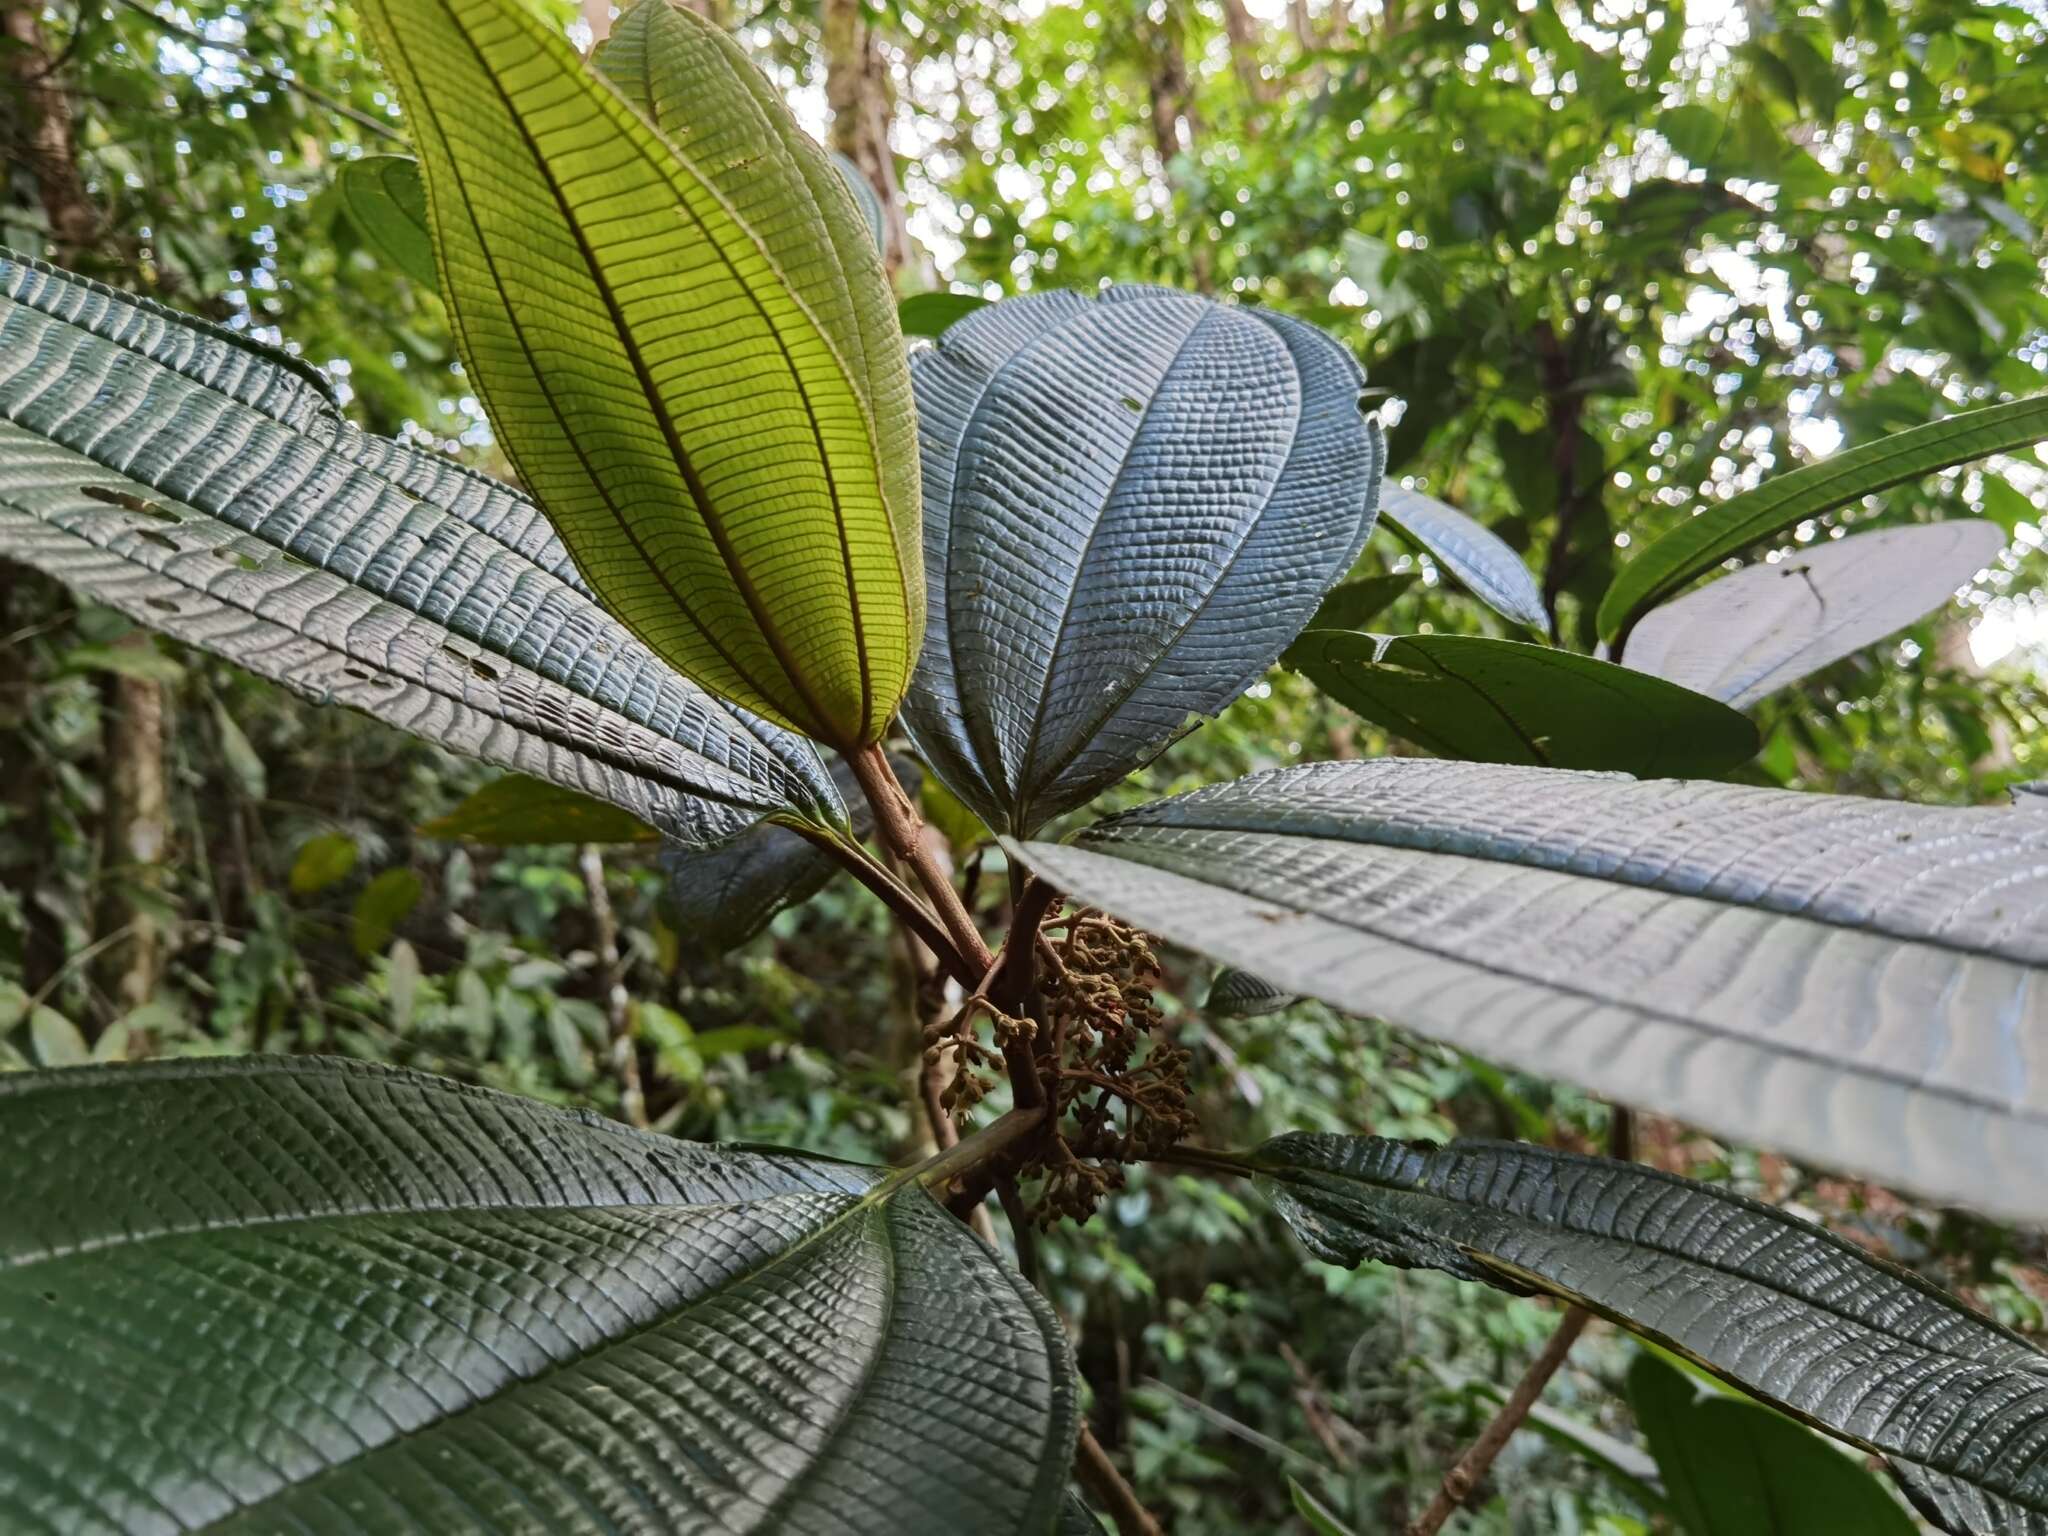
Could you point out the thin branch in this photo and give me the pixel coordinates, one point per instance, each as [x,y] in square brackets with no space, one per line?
[612,978]
[1021,1229]
[1098,1474]
[972,1151]
[1473,1465]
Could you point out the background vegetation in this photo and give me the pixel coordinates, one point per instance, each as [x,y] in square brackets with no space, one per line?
[1602,262]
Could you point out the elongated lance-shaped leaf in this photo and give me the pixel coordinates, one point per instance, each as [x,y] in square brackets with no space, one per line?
[210,489]
[386,1303]
[1790,1313]
[684,344]
[1132,505]
[1856,982]
[1728,528]
[1748,635]
[385,199]
[1506,701]
[1477,556]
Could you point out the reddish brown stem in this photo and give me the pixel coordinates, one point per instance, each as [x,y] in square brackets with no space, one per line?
[1098,1474]
[1473,1465]
[901,830]
[897,898]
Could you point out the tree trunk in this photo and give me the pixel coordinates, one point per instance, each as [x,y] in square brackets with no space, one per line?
[1175,124]
[133,836]
[858,91]
[1242,28]
[46,113]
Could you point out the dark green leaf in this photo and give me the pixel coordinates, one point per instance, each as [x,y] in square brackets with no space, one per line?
[930,314]
[1800,1318]
[1853,981]
[1730,527]
[393,1305]
[1737,1469]
[1236,994]
[1356,603]
[516,810]
[1505,701]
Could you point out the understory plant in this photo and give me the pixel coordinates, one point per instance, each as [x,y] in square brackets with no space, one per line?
[765,560]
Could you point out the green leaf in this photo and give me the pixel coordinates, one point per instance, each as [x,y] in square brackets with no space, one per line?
[1479,558]
[219,495]
[1795,1315]
[1236,994]
[145,663]
[1732,526]
[382,905]
[243,762]
[515,810]
[56,1041]
[1356,603]
[932,314]
[1855,982]
[385,199]
[1736,1469]
[415,1308]
[865,198]
[1136,501]
[402,984]
[685,344]
[1315,1512]
[1506,701]
[1748,635]
[325,860]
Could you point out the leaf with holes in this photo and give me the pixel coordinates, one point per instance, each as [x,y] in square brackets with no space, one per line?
[501,1316]
[1729,527]
[1855,982]
[1748,635]
[385,199]
[210,488]
[677,320]
[1478,557]
[1132,504]
[1506,701]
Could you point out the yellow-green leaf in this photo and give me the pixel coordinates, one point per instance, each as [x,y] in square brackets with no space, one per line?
[685,345]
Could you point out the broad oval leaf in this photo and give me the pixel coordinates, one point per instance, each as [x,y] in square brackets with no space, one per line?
[1356,601]
[1752,633]
[1132,505]
[1479,558]
[209,489]
[1506,701]
[685,344]
[1856,982]
[933,314]
[1728,528]
[385,199]
[515,810]
[1790,1313]
[390,1304]
[1735,1468]
[1236,994]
